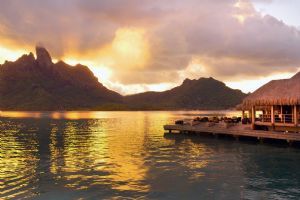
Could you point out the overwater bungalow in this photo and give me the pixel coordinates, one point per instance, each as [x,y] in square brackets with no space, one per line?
[271,112]
[275,106]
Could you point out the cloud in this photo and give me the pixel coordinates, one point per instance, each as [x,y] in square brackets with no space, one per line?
[227,39]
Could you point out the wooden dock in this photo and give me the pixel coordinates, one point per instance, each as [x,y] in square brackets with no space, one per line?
[234,131]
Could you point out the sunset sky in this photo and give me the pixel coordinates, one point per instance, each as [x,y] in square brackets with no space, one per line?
[140,45]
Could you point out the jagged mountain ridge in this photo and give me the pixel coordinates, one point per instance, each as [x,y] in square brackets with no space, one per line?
[39,84]
[204,93]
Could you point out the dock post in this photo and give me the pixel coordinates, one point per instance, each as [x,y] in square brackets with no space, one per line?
[253,117]
[215,135]
[272,115]
[295,116]
[243,114]
[237,138]
[290,142]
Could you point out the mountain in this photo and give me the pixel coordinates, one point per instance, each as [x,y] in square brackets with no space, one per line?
[204,93]
[39,84]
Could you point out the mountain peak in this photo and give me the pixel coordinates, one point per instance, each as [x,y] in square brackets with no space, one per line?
[38,84]
[187,80]
[296,76]
[43,57]
[26,58]
[202,79]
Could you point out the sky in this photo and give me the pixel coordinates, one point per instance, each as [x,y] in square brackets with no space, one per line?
[134,46]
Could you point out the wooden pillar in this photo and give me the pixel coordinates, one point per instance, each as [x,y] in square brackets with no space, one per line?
[282,117]
[272,115]
[295,115]
[243,114]
[253,117]
[236,137]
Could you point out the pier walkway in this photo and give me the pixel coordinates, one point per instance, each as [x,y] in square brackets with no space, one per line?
[237,130]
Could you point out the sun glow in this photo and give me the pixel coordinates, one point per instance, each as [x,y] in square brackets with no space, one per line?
[252,85]
[10,54]
[160,87]
[130,47]
[239,4]
[128,50]
[102,72]
[244,10]
[194,70]
[240,18]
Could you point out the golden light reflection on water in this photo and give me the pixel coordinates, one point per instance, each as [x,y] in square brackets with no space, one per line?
[18,164]
[16,114]
[193,163]
[130,169]
[115,151]
[55,115]
[90,155]
[75,115]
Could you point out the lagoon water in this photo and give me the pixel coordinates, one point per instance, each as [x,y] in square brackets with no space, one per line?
[125,155]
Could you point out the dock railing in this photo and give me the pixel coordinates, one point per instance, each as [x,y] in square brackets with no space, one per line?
[284,118]
[264,118]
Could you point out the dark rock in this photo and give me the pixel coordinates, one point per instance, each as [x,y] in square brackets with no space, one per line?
[38,84]
[28,84]
[204,93]
[43,57]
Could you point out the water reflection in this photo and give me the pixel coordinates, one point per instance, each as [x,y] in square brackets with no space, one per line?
[55,115]
[268,163]
[124,155]
[75,115]
[89,157]
[18,161]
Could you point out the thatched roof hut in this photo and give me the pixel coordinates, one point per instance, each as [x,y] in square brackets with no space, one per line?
[276,92]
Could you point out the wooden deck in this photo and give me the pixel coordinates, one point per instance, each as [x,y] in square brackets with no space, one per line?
[238,130]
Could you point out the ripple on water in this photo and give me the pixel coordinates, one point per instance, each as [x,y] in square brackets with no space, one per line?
[124,155]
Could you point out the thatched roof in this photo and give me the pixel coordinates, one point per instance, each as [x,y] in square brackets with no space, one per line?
[277,92]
